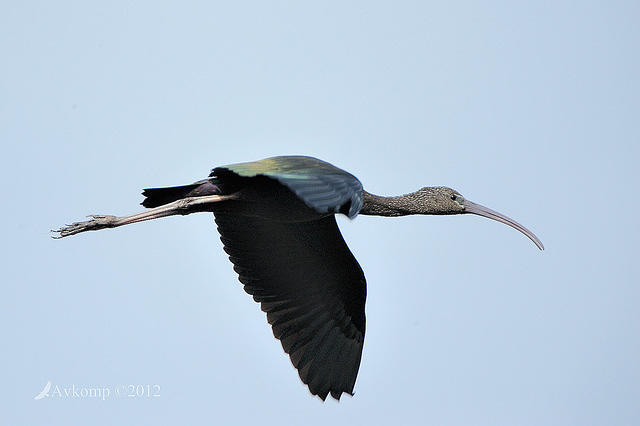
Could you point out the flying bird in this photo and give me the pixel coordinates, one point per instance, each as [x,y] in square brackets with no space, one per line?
[276,219]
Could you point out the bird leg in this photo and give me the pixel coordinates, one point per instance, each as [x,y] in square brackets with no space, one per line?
[180,207]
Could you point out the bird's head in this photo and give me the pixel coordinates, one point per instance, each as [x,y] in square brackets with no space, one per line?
[438,200]
[443,200]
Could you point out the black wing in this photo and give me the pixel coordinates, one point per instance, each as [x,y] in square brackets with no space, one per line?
[320,185]
[312,289]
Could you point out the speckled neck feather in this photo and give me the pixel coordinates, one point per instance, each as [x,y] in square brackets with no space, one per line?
[424,201]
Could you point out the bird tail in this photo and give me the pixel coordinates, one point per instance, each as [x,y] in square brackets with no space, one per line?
[155,197]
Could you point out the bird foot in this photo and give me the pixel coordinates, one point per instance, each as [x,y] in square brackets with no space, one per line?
[183,206]
[97,222]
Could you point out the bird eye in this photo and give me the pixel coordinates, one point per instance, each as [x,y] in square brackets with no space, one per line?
[454,197]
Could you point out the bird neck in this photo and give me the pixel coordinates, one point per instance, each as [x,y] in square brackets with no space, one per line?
[375,205]
[428,200]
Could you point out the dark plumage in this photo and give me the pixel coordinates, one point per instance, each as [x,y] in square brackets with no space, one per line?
[276,222]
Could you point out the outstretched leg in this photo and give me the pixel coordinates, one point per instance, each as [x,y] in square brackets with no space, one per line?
[181,207]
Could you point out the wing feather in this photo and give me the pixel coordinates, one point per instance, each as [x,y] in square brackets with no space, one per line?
[311,288]
[320,185]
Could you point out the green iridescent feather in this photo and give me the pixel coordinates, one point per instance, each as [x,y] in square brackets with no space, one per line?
[322,186]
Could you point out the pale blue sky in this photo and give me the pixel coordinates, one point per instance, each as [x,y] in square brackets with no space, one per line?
[531,109]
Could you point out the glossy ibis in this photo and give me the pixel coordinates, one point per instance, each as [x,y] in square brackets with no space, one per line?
[276,219]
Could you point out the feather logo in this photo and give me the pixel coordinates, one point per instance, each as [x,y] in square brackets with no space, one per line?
[45,391]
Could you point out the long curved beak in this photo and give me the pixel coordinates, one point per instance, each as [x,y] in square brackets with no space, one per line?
[474,208]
